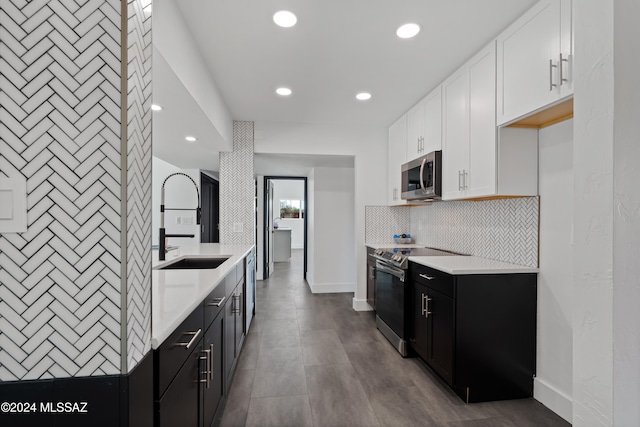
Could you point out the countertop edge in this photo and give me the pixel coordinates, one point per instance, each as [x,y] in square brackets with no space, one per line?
[490,266]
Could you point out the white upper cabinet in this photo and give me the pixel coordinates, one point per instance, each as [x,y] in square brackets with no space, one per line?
[455,145]
[397,155]
[469,147]
[476,163]
[535,56]
[424,126]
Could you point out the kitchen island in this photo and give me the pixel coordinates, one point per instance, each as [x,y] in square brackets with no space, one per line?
[200,317]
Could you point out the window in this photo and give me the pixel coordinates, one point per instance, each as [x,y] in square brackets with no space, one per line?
[291,209]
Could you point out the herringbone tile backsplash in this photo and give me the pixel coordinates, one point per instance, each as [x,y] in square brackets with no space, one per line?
[61,281]
[504,229]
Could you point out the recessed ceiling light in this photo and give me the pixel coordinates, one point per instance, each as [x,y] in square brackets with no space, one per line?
[407,31]
[283,91]
[363,96]
[156,107]
[191,138]
[285,19]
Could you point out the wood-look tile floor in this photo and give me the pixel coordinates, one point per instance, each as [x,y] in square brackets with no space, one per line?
[311,360]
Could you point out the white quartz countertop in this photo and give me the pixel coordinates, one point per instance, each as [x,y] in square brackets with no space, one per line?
[176,293]
[471,265]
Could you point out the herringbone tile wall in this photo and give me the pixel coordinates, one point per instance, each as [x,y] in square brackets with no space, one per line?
[237,188]
[504,229]
[382,222]
[60,109]
[138,181]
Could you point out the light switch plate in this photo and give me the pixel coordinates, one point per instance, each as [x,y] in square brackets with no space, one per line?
[13,204]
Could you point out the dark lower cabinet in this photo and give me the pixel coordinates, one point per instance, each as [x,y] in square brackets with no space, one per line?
[211,377]
[178,407]
[233,331]
[432,332]
[371,278]
[478,332]
[229,339]
[193,368]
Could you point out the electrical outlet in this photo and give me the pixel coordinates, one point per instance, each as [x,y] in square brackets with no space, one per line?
[178,220]
[237,227]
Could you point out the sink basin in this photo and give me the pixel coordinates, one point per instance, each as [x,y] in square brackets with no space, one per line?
[194,264]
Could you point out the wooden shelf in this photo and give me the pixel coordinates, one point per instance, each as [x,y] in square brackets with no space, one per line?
[547,117]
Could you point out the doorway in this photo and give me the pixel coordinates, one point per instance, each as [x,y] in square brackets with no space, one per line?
[210,189]
[286,208]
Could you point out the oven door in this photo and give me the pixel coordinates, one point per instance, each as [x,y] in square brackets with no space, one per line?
[390,305]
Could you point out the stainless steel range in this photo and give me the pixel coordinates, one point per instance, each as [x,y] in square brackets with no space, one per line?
[393,292]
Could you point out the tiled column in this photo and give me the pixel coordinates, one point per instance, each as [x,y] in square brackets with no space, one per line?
[237,188]
[75,90]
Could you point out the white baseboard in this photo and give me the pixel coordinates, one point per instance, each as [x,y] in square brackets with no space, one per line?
[330,288]
[553,399]
[361,305]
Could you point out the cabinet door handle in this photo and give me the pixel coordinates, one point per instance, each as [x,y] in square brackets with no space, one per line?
[217,302]
[562,79]
[235,298]
[459,182]
[186,345]
[425,303]
[465,175]
[551,67]
[211,365]
[424,276]
[207,372]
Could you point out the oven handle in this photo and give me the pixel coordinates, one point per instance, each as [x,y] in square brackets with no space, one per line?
[390,270]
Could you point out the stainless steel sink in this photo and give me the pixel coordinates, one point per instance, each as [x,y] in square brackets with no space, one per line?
[194,263]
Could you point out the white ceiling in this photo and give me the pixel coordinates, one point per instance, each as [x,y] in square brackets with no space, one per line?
[338,48]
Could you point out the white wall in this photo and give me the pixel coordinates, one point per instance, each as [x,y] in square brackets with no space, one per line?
[179,193]
[593,214]
[369,148]
[553,383]
[311,231]
[333,221]
[289,190]
[177,46]
[626,208]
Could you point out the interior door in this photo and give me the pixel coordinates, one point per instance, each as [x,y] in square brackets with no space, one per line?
[269,228]
[209,189]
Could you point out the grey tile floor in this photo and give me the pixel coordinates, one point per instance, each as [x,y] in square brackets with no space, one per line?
[311,360]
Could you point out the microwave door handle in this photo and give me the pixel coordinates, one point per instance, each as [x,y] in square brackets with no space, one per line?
[424,161]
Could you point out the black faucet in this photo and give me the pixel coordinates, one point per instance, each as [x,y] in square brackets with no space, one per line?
[162,247]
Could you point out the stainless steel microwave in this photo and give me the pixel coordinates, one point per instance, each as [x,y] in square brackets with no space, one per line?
[422,178]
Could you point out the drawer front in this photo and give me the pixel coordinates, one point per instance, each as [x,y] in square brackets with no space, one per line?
[432,278]
[179,405]
[231,281]
[176,349]
[214,304]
